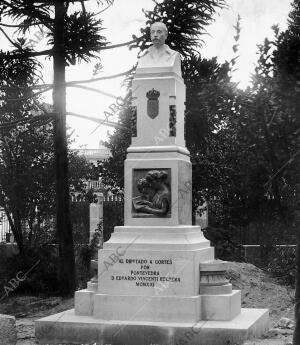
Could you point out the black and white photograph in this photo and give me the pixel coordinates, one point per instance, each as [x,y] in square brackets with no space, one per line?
[149,172]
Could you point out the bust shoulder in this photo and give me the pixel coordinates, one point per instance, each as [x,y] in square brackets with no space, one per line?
[165,51]
[165,57]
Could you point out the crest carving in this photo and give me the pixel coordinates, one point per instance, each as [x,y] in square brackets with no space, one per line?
[153,103]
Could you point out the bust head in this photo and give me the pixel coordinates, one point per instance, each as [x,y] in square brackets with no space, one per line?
[159,34]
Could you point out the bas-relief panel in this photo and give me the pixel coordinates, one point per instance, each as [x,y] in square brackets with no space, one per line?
[151,193]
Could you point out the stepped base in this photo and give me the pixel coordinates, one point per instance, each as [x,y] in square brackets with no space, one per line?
[158,308]
[68,328]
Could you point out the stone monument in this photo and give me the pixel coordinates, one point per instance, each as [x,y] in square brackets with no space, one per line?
[158,281]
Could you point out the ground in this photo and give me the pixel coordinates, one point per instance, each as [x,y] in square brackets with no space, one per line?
[258,290]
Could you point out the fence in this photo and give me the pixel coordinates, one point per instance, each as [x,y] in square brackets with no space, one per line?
[112,211]
[4,227]
[113,214]
[85,221]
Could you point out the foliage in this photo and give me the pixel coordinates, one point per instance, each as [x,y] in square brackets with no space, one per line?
[186,21]
[27,179]
[26,152]
[80,170]
[80,221]
[226,243]
[41,265]
[72,36]
[242,143]
[282,265]
[78,27]
[27,175]
[113,215]
[287,61]
[87,252]
[209,99]
[111,170]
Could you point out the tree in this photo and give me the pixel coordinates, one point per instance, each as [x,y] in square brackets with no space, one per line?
[287,72]
[186,21]
[27,178]
[209,101]
[241,142]
[287,59]
[24,166]
[73,36]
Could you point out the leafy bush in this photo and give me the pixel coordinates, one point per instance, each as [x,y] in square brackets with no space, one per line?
[36,275]
[282,264]
[85,254]
[113,215]
[227,245]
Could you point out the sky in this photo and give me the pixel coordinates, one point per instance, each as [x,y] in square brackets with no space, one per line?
[125,18]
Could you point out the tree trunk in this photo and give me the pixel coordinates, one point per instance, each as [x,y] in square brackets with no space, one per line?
[67,277]
[16,228]
[296,339]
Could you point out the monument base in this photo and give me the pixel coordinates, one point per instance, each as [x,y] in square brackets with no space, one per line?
[68,328]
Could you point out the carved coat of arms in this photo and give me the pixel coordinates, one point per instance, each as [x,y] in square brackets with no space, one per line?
[153,103]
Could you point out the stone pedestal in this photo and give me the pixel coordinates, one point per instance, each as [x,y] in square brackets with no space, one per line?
[68,328]
[8,331]
[158,281]
[151,273]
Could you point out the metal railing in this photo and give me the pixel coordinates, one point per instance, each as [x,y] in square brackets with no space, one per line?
[94,184]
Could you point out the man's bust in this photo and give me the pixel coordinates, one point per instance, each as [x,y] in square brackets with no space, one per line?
[159,56]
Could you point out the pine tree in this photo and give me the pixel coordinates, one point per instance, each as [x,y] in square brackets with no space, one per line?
[72,36]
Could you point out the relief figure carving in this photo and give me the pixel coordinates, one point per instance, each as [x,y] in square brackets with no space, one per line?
[155,194]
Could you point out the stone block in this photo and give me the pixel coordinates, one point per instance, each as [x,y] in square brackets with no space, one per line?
[149,308]
[92,286]
[8,331]
[216,290]
[181,192]
[221,307]
[84,302]
[172,91]
[96,215]
[215,265]
[167,272]
[68,328]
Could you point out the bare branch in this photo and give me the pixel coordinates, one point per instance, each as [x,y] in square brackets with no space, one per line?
[100,121]
[98,79]
[34,87]
[72,84]
[8,38]
[28,54]
[106,8]
[120,44]
[19,25]
[43,109]
[288,162]
[83,7]
[94,90]
[48,118]
[26,97]
[50,51]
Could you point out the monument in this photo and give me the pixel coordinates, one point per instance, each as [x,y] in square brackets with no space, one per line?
[158,282]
